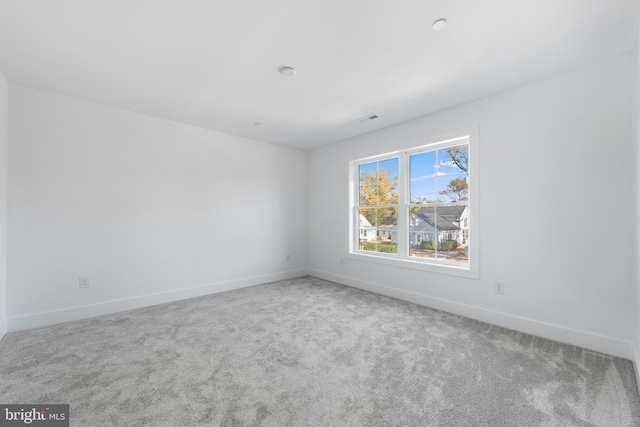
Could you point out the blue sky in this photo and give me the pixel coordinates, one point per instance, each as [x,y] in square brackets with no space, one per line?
[388,165]
[430,173]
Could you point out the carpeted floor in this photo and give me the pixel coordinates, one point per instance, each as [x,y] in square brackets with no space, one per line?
[307,352]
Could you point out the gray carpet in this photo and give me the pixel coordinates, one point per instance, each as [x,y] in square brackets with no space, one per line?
[307,352]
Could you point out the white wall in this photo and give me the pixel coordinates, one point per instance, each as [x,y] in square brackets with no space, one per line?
[636,211]
[4,145]
[554,156]
[153,210]
[150,210]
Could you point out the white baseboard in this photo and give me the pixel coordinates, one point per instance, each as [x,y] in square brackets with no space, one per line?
[92,310]
[636,364]
[3,328]
[596,342]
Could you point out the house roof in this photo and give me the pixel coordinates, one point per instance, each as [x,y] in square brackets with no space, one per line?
[365,224]
[445,218]
[451,211]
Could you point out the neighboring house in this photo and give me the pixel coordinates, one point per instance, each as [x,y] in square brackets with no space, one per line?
[367,231]
[448,223]
[384,231]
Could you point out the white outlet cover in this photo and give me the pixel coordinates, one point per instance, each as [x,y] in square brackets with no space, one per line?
[83,283]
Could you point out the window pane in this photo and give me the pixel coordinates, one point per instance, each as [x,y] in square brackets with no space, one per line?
[422,245]
[422,227]
[368,184]
[368,169]
[449,233]
[367,232]
[450,247]
[367,218]
[453,188]
[388,182]
[387,230]
[439,232]
[378,183]
[423,165]
[368,195]
[389,165]
[453,160]
[424,191]
[422,177]
[454,233]
[386,217]
[422,220]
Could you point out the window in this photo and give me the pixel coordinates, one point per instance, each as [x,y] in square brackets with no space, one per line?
[415,207]
[378,205]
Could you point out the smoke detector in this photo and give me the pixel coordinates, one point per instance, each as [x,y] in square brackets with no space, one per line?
[288,71]
[440,24]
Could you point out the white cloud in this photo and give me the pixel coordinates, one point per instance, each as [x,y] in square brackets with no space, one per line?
[421,178]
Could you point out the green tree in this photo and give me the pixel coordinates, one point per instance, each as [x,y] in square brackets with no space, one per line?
[379,189]
[457,190]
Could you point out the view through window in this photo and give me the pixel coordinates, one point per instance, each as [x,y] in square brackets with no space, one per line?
[415,204]
[439,210]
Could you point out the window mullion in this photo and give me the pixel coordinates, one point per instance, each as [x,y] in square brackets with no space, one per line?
[403,209]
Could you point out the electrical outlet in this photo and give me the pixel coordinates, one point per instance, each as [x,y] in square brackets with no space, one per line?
[499,288]
[341,261]
[83,283]
[288,257]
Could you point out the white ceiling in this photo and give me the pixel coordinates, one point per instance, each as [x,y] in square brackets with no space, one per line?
[214,64]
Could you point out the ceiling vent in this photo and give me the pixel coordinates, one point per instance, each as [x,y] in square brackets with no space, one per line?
[367,118]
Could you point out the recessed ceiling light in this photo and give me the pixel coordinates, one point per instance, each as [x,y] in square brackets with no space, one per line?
[288,71]
[440,24]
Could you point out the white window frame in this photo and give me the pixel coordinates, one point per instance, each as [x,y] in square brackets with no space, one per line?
[402,258]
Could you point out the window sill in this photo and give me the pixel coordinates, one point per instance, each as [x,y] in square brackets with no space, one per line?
[432,267]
